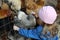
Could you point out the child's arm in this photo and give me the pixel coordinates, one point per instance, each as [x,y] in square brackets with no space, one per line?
[33,33]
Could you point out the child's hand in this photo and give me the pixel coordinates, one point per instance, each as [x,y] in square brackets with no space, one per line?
[15,28]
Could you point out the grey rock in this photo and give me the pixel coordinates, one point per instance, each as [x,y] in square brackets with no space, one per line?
[51,2]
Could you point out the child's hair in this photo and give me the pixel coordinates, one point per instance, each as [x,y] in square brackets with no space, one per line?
[52,28]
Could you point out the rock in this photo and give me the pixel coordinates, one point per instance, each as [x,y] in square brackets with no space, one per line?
[51,2]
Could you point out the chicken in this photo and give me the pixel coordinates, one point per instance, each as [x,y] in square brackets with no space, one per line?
[23,20]
[33,6]
[4,13]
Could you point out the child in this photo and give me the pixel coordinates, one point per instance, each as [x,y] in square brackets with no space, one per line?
[48,15]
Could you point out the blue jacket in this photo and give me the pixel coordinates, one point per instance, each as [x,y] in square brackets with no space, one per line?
[36,34]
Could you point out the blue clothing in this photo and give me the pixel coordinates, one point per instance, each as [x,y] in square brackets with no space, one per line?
[36,34]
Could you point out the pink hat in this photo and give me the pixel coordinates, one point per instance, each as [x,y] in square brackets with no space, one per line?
[47,14]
